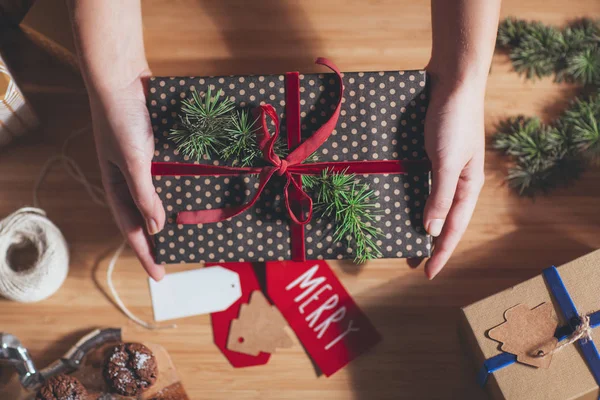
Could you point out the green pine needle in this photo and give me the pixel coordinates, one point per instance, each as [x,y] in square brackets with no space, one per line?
[241,146]
[584,66]
[537,50]
[517,137]
[209,108]
[550,155]
[547,156]
[586,136]
[351,205]
[203,124]
[512,30]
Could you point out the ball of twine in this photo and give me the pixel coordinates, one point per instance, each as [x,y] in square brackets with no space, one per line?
[34,257]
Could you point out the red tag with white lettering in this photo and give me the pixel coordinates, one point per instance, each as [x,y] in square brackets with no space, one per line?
[331,327]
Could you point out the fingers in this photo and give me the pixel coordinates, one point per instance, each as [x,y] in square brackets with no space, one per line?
[131,224]
[456,222]
[445,179]
[139,180]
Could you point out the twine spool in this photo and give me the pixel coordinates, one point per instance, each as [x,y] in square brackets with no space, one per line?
[28,231]
[34,258]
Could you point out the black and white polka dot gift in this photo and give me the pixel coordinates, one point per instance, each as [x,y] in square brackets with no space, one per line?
[382,118]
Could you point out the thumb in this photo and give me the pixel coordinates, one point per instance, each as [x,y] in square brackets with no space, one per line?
[444,183]
[139,181]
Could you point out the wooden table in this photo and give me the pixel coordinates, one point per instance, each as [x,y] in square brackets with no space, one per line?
[510,239]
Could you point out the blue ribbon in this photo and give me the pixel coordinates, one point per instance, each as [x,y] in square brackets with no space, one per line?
[569,312]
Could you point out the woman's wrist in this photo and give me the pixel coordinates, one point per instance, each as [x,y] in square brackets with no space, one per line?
[121,78]
[450,78]
[447,86]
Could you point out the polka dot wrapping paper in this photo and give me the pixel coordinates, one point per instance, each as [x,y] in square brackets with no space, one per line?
[382,118]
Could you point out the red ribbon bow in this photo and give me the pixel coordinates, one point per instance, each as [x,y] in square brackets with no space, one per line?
[292,167]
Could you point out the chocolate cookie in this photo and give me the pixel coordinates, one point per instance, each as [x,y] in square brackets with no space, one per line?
[173,392]
[130,369]
[62,387]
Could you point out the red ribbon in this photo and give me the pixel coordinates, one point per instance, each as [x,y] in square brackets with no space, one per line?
[292,167]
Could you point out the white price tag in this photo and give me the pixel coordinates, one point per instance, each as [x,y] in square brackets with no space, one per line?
[200,291]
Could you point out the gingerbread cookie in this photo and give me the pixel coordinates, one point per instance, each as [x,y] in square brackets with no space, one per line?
[62,387]
[130,369]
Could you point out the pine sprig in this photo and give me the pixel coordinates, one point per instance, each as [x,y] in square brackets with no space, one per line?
[351,205]
[512,30]
[550,155]
[203,125]
[547,156]
[241,146]
[582,120]
[210,128]
[538,50]
[584,66]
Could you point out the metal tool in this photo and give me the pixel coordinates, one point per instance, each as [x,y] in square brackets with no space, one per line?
[13,353]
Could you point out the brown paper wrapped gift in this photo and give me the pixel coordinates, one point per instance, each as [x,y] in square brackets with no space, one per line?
[568,375]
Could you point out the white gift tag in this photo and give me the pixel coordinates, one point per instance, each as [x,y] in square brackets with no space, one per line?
[200,291]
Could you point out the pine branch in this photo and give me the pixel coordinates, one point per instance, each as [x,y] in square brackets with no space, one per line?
[512,30]
[210,128]
[241,146]
[582,119]
[203,125]
[350,204]
[584,66]
[537,50]
[547,156]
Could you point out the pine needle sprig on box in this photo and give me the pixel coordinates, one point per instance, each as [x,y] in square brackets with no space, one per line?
[203,125]
[351,204]
[241,146]
[210,127]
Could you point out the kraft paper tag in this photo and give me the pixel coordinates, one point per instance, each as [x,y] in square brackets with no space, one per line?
[221,321]
[259,328]
[529,334]
[200,291]
[327,321]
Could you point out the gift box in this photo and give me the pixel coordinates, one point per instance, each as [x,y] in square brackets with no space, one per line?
[46,25]
[372,127]
[536,339]
[16,115]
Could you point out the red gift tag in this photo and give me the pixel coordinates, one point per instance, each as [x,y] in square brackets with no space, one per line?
[221,321]
[331,327]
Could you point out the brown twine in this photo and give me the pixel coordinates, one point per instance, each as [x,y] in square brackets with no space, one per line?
[583,331]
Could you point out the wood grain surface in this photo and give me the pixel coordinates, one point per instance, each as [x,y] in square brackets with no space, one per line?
[509,240]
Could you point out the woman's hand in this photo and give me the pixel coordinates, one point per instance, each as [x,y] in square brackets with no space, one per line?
[110,44]
[464,33]
[125,146]
[455,144]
